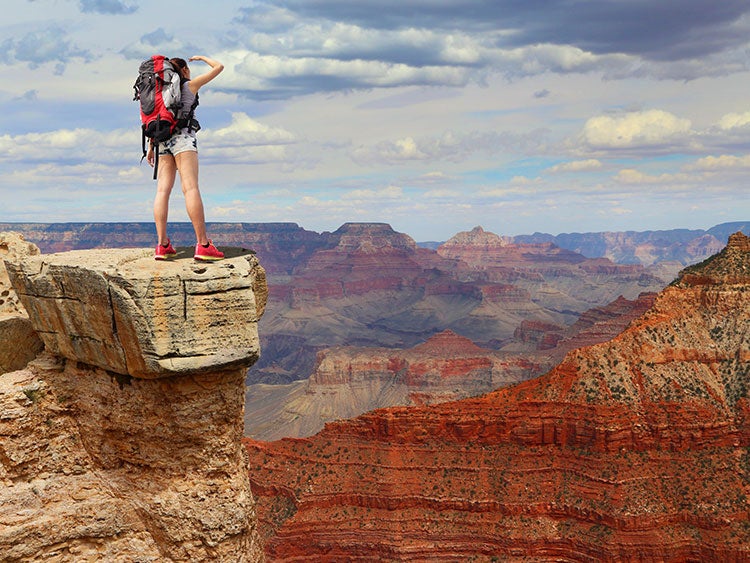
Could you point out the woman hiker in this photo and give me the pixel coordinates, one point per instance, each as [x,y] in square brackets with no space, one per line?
[180,153]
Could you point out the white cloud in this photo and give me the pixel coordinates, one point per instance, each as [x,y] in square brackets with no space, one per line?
[244,131]
[719,163]
[636,129]
[69,145]
[632,176]
[451,146]
[388,192]
[577,166]
[734,120]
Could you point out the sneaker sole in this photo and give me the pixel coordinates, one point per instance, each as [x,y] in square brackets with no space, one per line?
[207,258]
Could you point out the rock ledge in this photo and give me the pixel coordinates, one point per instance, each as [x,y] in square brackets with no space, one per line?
[120,310]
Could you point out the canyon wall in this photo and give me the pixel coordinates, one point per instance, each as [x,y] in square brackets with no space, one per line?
[349,380]
[122,441]
[630,450]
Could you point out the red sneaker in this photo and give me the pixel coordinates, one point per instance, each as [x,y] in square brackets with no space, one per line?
[207,253]
[164,252]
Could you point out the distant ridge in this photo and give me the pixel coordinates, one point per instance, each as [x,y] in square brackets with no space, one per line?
[685,246]
[644,247]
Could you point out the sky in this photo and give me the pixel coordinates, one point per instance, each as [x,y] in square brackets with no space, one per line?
[434,116]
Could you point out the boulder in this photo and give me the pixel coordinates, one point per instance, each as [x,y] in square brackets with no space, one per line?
[20,341]
[120,310]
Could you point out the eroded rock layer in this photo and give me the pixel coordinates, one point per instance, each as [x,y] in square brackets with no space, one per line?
[122,311]
[19,342]
[636,449]
[101,460]
[348,381]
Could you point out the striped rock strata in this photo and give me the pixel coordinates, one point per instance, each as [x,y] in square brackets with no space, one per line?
[637,449]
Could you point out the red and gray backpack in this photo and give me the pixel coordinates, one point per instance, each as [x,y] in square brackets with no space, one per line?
[158,90]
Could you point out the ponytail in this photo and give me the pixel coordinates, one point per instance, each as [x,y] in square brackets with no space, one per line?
[180,64]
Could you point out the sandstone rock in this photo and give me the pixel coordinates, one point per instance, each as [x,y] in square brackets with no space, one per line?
[13,247]
[100,468]
[130,465]
[20,342]
[121,311]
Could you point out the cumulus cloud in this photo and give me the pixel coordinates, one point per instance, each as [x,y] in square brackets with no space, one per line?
[666,30]
[67,156]
[296,47]
[277,77]
[38,47]
[387,192]
[720,163]
[246,140]
[159,41]
[636,129]
[734,120]
[577,166]
[111,7]
[632,176]
[245,131]
[450,146]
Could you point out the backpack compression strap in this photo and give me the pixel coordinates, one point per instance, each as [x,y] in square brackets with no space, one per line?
[156,152]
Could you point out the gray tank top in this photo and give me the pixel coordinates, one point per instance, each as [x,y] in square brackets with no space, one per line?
[186,102]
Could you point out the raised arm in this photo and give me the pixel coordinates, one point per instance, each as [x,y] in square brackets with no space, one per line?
[196,83]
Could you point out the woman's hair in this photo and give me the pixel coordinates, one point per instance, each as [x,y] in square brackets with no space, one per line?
[181,64]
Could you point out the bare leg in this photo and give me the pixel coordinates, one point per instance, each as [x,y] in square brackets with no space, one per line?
[164,185]
[187,164]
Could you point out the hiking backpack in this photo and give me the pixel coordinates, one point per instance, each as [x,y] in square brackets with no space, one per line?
[157,88]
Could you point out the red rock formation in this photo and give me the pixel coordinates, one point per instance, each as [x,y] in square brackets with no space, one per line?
[636,449]
[347,381]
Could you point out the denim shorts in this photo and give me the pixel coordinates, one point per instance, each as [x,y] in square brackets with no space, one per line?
[181,141]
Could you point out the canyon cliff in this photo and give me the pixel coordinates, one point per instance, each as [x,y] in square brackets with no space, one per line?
[375,287]
[122,440]
[630,450]
[350,380]
[377,295]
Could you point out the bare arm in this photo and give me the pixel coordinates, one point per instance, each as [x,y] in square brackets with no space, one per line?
[196,83]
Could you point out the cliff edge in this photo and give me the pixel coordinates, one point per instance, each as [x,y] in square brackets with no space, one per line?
[122,441]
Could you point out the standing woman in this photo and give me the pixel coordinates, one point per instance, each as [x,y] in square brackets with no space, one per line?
[180,153]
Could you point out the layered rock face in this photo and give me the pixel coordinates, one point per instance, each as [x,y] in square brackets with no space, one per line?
[115,310]
[15,326]
[634,449]
[374,287]
[122,442]
[350,380]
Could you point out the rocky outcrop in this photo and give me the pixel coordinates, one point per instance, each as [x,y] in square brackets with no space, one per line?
[15,326]
[631,450]
[122,442]
[114,310]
